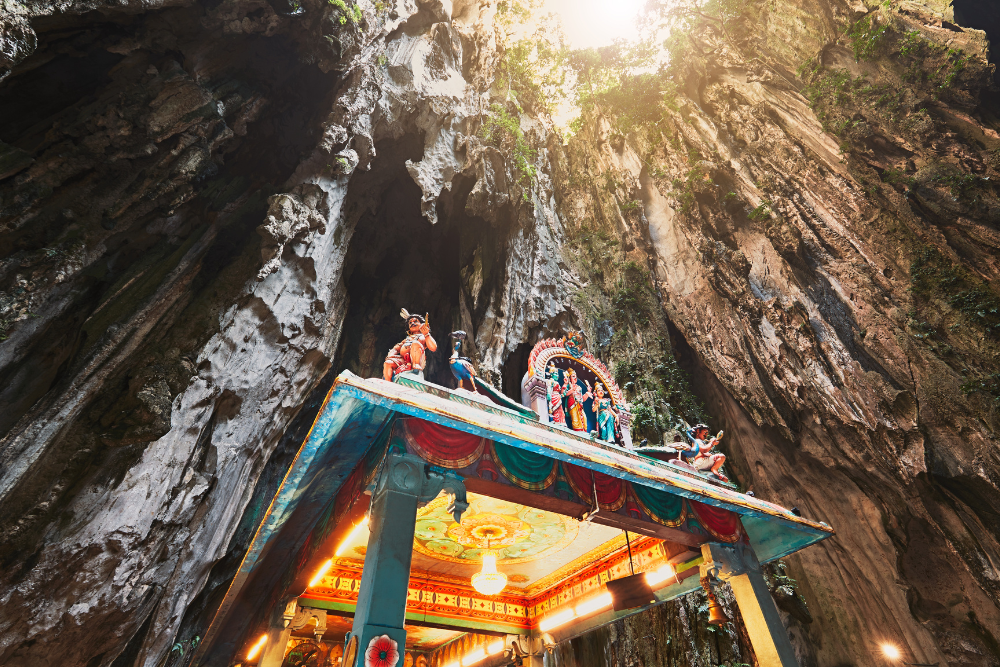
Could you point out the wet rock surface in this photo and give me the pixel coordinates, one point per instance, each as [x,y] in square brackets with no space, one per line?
[207,210]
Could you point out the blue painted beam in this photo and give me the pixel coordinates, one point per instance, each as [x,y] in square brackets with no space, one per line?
[517,431]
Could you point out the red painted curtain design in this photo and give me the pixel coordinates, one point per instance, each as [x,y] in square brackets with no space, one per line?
[456,450]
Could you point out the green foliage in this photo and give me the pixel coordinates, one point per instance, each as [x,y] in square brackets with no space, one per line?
[644,417]
[931,274]
[352,14]
[962,185]
[503,131]
[532,70]
[514,12]
[989,384]
[661,389]
[955,62]
[831,85]
[692,23]
[633,298]
[762,212]
[616,79]
[684,190]
[923,55]
[630,207]
[808,67]
[911,44]
[894,176]
[867,37]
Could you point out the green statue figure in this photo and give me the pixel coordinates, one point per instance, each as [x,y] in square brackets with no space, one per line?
[605,413]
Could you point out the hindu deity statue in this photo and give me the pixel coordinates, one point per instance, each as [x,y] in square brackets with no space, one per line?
[605,413]
[410,354]
[554,393]
[573,342]
[700,452]
[574,401]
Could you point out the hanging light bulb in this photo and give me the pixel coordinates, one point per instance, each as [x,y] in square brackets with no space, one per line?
[488,581]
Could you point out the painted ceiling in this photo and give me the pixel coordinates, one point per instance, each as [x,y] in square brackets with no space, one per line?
[531,545]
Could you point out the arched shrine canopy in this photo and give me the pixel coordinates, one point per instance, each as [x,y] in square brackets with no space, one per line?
[556,501]
[563,356]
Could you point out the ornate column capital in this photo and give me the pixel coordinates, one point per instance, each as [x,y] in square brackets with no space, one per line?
[536,388]
[726,561]
[411,475]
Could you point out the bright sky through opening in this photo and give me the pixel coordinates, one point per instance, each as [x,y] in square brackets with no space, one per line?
[595,23]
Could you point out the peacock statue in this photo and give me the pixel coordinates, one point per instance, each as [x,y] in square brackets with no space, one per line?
[461,367]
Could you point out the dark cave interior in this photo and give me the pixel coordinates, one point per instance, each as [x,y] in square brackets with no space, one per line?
[397,259]
[81,107]
[982,15]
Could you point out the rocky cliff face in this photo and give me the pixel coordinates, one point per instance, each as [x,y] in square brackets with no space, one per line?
[208,208]
[181,217]
[825,242]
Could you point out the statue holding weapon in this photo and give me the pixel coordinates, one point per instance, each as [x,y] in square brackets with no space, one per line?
[409,355]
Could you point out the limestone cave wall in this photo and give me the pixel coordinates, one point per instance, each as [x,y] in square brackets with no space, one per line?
[209,209]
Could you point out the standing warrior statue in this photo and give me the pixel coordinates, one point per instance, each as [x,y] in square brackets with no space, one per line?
[409,354]
[574,401]
[700,453]
[554,393]
[605,414]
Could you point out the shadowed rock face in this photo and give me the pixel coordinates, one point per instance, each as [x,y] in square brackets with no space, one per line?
[208,210]
[179,198]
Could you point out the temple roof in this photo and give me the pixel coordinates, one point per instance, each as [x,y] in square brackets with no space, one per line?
[317,505]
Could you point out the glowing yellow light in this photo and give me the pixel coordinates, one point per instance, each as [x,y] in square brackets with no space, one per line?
[580,28]
[320,573]
[556,620]
[255,649]
[489,581]
[495,647]
[659,576]
[594,604]
[891,652]
[453,664]
[353,535]
[472,657]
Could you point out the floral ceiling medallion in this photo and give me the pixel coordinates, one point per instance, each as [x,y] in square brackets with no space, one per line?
[481,530]
[382,652]
[514,533]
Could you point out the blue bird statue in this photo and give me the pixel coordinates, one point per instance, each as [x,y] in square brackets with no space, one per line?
[461,367]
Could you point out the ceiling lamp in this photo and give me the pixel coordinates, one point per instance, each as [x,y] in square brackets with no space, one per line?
[489,581]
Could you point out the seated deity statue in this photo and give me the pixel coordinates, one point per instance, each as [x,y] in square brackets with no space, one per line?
[410,354]
[700,454]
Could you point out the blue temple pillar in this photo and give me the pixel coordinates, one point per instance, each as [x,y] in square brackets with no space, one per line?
[737,564]
[404,483]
